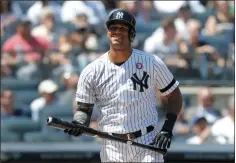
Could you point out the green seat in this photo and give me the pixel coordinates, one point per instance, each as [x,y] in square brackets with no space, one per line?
[7,136]
[46,137]
[19,125]
[147,29]
[47,133]
[63,112]
[16,84]
[25,97]
[57,110]
[83,138]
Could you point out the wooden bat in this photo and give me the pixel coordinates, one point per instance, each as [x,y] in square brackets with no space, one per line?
[60,124]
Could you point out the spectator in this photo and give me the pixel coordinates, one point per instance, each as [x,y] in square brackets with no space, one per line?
[81,21]
[132,6]
[146,7]
[72,8]
[99,10]
[163,42]
[198,53]
[9,14]
[70,81]
[187,47]
[5,70]
[82,39]
[206,108]
[34,12]
[181,22]
[64,44]
[222,20]
[47,28]
[60,63]
[8,110]
[25,49]
[47,90]
[110,5]
[223,129]
[174,6]
[168,6]
[201,131]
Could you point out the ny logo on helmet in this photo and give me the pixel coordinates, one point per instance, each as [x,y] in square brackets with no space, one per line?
[119,15]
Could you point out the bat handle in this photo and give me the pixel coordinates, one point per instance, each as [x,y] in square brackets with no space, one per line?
[57,123]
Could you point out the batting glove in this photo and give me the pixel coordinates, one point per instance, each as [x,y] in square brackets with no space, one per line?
[163,139]
[74,131]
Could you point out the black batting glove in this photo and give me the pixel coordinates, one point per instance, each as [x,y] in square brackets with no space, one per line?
[74,131]
[163,139]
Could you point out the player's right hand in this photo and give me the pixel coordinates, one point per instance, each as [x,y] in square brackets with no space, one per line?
[74,131]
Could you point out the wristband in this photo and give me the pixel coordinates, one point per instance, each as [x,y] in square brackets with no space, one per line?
[169,122]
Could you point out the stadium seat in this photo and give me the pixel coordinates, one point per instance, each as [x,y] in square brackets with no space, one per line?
[16,84]
[46,137]
[7,136]
[59,111]
[48,133]
[147,29]
[25,96]
[220,42]
[19,126]
[159,15]
[83,138]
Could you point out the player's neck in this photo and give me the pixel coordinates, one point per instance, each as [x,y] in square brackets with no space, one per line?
[119,56]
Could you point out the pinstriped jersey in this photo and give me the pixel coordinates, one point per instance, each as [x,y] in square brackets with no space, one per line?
[125,95]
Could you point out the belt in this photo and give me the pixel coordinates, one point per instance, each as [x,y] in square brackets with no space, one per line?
[136,134]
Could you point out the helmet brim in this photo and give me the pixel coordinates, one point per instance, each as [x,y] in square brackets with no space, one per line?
[115,21]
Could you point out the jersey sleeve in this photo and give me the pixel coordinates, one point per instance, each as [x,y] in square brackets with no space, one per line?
[85,87]
[164,79]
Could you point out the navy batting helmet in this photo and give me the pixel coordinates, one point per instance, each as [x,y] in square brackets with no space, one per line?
[123,16]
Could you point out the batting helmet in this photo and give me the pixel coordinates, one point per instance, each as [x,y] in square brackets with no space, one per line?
[123,16]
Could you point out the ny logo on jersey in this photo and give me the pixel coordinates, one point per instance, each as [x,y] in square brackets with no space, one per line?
[142,83]
[119,15]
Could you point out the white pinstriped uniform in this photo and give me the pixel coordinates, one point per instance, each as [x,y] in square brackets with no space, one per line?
[125,95]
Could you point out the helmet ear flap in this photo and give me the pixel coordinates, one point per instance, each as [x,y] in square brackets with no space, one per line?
[132,34]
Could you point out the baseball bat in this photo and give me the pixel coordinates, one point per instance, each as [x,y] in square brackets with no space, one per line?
[60,124]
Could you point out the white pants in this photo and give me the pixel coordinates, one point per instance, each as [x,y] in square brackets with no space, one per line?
[113,151]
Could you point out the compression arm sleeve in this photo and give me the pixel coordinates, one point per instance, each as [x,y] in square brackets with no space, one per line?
[83,113]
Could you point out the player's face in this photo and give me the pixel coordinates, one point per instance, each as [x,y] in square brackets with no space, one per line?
[118,35]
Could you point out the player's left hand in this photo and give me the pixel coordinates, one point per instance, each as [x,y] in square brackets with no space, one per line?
[163,139]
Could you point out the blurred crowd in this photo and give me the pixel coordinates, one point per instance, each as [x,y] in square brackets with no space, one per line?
[45,45]
[44,39]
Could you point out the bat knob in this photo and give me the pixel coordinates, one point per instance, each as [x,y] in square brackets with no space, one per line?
[49,119]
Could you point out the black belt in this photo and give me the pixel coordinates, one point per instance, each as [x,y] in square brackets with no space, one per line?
[133,135]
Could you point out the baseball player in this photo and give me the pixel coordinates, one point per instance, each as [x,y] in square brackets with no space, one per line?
[122,84]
